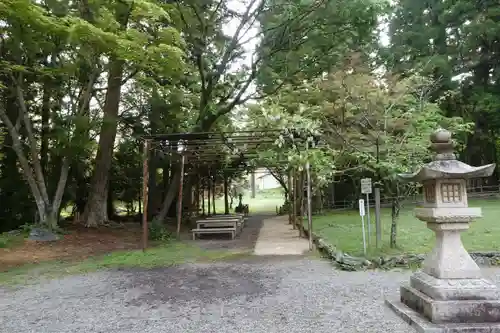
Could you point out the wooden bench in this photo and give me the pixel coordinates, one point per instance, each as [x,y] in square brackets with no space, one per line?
[202,231]
[225,218]
[222,223]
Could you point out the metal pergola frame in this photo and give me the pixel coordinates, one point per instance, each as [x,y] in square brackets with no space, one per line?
[207,150]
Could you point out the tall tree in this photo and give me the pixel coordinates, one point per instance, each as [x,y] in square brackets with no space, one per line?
[227,64]
[152,32]
[456,43]
[67,49]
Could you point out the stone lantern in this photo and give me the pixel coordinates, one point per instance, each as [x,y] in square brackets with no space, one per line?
[449,293]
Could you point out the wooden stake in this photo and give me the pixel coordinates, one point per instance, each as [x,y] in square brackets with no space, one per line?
[145,180]
[290,193]
[226,190]
[213,196]
[179,199]
[294,205]
[309,206]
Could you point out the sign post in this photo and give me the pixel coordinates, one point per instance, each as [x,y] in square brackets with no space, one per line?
[366,188]
[378,226]
[362,214]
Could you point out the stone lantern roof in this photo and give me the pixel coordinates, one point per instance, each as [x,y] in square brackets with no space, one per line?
[445,165]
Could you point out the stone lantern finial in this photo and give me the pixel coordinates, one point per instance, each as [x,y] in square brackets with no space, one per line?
[442,145]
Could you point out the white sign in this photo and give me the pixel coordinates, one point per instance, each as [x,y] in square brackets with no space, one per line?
[361,207]
[366,186]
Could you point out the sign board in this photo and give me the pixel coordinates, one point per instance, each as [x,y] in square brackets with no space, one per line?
[361,207]
[366,186]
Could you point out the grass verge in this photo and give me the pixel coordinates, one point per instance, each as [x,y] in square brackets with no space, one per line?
[343,230]
[8,240]
[162,256]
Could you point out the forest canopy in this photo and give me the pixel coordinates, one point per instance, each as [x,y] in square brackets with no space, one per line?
[81,83]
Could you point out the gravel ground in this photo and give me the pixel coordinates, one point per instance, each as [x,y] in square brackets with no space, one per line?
[255,295]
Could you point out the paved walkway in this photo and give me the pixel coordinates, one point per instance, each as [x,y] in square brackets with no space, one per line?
[277,237]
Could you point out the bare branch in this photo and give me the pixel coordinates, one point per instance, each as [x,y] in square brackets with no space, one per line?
[125,80]
[31,139]
[25,165]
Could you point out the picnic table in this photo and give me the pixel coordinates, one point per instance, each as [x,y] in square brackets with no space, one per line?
[219,224]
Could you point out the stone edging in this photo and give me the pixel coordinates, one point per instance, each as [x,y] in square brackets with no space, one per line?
[347,262]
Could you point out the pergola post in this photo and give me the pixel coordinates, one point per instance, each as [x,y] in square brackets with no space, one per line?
[197,196]
[295,198]
[309,199]
[290,195]
[226,199]
[209,194]
[145,180]
[180,150]
[213,194]
[202,192]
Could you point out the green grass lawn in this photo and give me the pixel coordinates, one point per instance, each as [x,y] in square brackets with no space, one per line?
[161,256]
[343,229]
[7,240]
[264,202]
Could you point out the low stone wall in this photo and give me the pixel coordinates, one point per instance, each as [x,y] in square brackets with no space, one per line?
[346,262]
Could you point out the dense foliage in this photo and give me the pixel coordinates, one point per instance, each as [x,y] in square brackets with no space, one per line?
[81,82]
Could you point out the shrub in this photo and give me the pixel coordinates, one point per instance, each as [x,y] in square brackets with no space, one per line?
[158,232]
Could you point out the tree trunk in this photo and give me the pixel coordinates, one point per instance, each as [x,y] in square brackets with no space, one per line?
[289,201]
[140,205]
[169,198]
[204,124]
[300,203]
[61,186]
[166,180]
[47,212]
[44,145]
[280,178]
[209,195]
[202,190]
[213,196]
[252,185]
[395,208]
[96,208]
[110,207]
[152,186]
[197,196]
[156,103]
[319,202]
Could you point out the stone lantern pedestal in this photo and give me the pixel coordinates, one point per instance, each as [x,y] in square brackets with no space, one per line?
[449,293]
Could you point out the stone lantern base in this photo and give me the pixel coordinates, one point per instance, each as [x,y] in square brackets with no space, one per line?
[422,325]
[449,305]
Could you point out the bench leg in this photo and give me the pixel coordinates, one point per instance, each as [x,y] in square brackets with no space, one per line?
[232,234]
[194,235]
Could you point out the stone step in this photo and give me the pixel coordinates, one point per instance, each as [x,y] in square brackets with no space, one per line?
[422,325]
[451,311]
